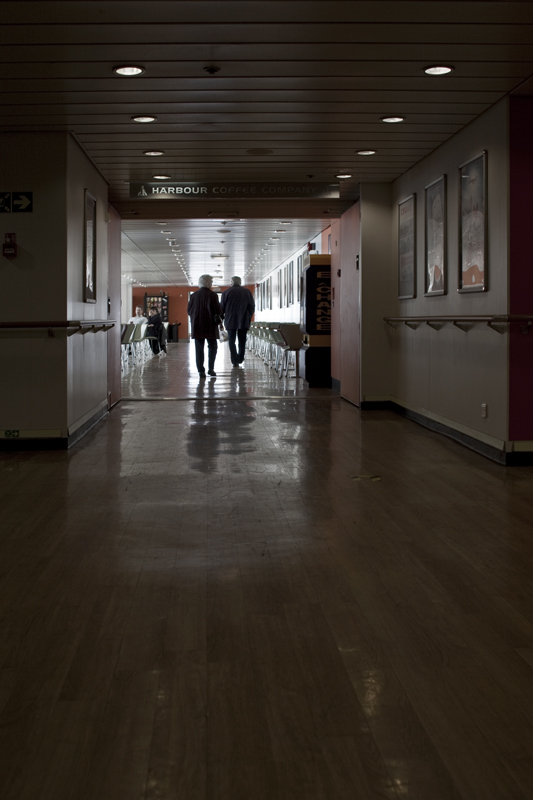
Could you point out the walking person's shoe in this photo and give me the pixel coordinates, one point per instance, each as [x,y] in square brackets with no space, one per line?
[201,374]
[212,373]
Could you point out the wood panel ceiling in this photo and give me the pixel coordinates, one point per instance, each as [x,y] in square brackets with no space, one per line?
[301,87]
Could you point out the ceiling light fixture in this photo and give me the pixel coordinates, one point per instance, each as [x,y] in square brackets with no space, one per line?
[343,175]
[161,177]
[366,152]
[153,152]
[130,71]
[392,119]
[144,118]
[438,70]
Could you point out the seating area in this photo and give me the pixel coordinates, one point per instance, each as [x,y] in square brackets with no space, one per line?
[278,344]
[135,344]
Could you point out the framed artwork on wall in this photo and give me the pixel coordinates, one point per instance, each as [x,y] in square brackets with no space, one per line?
[290,299]
[89,268]
[407,248]
[299,263]
[473,224]
[435,237]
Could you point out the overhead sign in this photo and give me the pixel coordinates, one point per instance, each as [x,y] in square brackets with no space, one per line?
[224,190]
[16,202]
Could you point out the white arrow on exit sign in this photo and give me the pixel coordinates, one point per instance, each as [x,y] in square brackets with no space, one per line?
[23,202]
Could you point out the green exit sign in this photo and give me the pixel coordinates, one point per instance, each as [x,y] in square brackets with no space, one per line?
[11,434]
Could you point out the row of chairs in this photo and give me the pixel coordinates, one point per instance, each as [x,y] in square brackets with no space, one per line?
[278,344]
[135,344]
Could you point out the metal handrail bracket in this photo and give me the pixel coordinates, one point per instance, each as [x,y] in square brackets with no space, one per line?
[496,322]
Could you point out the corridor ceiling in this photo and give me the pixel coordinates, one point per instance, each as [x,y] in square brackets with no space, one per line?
[281,90]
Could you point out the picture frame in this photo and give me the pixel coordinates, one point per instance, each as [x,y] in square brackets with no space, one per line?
[290,299]
[299,263]
[89,265]
[435,237]
[407,248]
[473,263]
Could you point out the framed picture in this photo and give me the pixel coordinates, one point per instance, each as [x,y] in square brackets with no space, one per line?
[407,248]
[89,268]
[473,224]
[435,238]
[290,299]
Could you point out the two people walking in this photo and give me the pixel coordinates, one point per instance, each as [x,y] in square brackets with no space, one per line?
[236,309]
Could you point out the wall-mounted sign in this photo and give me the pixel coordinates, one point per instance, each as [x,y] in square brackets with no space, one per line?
[224,190]
[16,202]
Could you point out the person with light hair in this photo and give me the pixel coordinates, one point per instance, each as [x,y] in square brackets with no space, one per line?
[238,308]
[206,316]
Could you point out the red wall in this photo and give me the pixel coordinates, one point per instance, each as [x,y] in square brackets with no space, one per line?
[520,271]
[178,297]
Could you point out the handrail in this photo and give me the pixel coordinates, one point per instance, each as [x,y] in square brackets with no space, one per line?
[70,327]
[465,322]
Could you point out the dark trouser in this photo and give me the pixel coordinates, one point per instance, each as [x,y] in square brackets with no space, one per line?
[212,346]
[237,358]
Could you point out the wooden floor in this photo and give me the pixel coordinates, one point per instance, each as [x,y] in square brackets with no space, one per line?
[204,601]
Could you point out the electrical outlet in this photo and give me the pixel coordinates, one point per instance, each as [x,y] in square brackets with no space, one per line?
[484,410]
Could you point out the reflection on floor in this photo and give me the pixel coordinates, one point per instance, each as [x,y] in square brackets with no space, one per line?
[221,601]
[176,377]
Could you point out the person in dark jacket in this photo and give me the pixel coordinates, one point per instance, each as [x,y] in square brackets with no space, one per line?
[238,307]
[206,316]
[156,332]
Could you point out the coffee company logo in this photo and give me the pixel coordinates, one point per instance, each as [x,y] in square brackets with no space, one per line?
[213,191]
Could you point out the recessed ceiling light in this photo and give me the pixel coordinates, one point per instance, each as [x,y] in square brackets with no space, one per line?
[161,177]
[366,152]
[161,223]
[285,223]
[343,175]
[438,70]
[129,71]
[280,231]
[153,152]
[165,231]
[144,118]
[392,119]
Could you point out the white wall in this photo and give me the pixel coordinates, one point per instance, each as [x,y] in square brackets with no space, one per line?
[54,382]
[378,288]
[87,355]
[126,310]
[448,374]
[287,313]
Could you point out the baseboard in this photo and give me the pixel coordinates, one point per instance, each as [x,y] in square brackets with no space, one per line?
[52,442]
[336,385]
[508,459]
[377,405]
